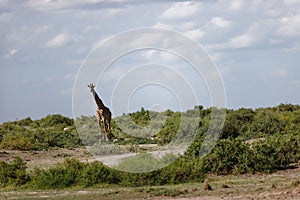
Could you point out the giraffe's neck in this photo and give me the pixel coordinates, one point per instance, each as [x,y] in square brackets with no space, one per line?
[98,100]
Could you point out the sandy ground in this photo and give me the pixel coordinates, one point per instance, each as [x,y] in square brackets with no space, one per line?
[45,159]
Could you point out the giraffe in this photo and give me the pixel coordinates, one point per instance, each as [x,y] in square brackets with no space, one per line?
[103,113]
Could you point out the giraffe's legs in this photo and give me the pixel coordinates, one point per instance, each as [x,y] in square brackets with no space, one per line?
[105,131]
[100,132]
[106,138]
[103,135]
[106,128]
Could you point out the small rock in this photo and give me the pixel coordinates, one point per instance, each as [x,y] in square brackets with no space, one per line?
[224,186]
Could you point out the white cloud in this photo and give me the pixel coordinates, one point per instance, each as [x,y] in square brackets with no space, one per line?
[241,41]
[185,26]
[215,56]
[260,33]
[113,74]
[55,4]
[25,34]
[220,22]
[195,34]
[290,26]
[61,40]
[90,28]
[111,7]
[158,56]
[236,4]
[188,25]
[180,10]
[163,25]
[47,4]
[11,53]
[291,2]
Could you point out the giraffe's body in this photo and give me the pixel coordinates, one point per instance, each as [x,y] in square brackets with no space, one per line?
[103,113]
[104,117]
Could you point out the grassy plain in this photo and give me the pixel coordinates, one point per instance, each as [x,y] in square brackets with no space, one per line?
[280,185]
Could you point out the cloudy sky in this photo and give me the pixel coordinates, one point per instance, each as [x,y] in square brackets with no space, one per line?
[254,44]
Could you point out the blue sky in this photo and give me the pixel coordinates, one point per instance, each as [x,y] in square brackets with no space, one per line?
[254,44]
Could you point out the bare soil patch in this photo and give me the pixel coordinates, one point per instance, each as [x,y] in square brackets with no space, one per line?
[45,159]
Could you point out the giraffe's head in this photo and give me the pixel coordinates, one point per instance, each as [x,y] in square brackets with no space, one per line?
[92,87]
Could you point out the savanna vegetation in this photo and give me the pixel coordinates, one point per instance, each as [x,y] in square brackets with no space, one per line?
[27,134]
[261,140]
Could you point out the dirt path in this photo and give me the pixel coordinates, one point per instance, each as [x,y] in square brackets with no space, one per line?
[45,159]
[114,160]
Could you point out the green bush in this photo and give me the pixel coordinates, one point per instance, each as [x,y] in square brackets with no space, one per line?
[170,129]
[233,156]
[141,117]
[276,152]
[237,122]
[74,173]
[55,178]
[18,140]
[96,173]
[227,157]
[27,134]
[267,122]
[180,171]
[60,176]
[13,173]
[55,120]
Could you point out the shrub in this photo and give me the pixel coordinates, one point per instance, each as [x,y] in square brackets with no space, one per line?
[72,172]
[141,117]
[234,156]
[267,122]
[170,129]
[18,140]
[48,132]
[13,173]
[228,156]
[96,173]
[60,176]
[180,171]
[277,152]
[25,122]
[56,120]
[54,178]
